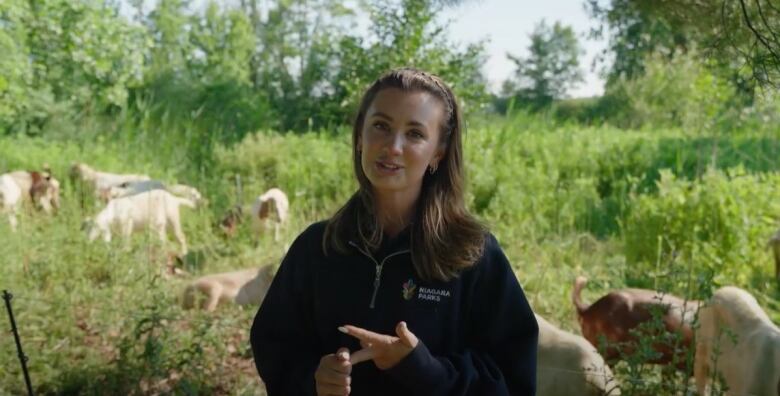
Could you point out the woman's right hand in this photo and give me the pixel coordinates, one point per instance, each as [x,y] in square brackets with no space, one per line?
[333,374]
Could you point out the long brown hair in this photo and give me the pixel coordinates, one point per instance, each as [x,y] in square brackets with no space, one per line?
[445,238]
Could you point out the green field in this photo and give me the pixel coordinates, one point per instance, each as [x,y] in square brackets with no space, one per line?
[668,209]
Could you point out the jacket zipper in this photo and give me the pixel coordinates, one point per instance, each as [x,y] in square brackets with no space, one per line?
[379,266]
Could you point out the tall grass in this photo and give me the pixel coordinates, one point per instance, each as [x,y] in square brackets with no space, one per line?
[563,200]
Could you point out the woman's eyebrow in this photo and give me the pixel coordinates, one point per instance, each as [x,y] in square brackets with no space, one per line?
[388,118]
[382,115]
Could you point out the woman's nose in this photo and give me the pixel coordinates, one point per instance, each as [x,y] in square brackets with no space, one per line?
[396,144]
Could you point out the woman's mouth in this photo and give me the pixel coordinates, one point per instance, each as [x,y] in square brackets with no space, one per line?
[387,166]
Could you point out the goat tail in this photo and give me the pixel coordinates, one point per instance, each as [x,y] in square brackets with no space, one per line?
[579,284]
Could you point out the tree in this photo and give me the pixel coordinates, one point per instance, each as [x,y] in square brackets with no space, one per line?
[634,35]
[57,58]
[551,68]
[737,33]
[406,33]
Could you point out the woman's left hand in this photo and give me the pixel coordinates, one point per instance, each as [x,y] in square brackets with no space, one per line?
[386,351]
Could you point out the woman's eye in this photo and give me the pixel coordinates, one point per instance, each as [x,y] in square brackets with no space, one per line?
[416,134]
[380,125]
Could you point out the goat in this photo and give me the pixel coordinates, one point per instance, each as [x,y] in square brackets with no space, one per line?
[39,188]
[157,209]
[10,198]
[618,315]
[136,187]
[737,340]
[261,210]
[243,287]
[568,365]
[102,181]
[230,221]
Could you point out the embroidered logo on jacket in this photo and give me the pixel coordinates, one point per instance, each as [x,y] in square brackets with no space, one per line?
[430,294]
[409,289]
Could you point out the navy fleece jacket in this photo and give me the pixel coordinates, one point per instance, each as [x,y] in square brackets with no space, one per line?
[478,335]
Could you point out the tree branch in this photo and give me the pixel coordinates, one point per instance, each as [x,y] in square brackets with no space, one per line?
[756,33]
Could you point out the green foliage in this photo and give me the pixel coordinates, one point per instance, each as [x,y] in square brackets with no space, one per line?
[315,169]
[226,69]
[16,76]
[739,33]
[563,200]
[676,92]
[634,34]
[718,226]
[406,33]
[58,61]
[551,68]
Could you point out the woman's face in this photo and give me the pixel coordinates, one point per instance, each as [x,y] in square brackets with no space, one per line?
[400,140]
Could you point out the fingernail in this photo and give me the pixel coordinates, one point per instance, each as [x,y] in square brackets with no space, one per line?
[343,329]
[403,324]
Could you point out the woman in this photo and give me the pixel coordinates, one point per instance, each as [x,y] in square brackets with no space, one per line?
[402,291]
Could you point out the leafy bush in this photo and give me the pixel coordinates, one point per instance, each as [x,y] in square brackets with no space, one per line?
[716,226]
[314,169]
[677,92]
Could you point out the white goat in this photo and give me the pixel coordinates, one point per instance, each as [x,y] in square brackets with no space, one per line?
[568,364]
[261,211]
[10,198]
[136,187]
[737,340]
[156,209]
[243,287]
[102,181]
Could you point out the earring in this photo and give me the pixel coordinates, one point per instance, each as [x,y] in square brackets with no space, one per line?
[432,169]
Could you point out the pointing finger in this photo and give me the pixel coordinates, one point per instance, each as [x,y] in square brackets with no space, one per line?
[364,335]
[362,356]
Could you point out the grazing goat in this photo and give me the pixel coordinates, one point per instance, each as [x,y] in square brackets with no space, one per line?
[568,365]
[39,188]
[737,340]
[102,181]
[230,221]
[157,209]
[242,287]
[615,315]
[137,187]
[262,210]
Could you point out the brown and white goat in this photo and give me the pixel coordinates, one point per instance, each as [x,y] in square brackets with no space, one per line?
[39,188]
[231,219]
[622,316]
[271,206]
